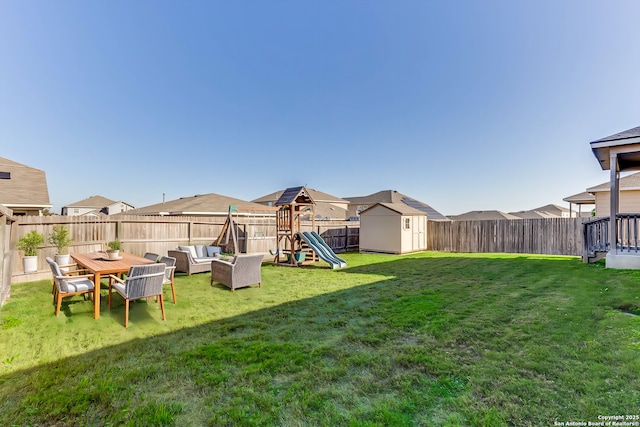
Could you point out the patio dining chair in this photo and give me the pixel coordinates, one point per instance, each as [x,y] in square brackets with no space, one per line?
[67,285]
[151,256]
[143,281]
[170,262]
[68,270]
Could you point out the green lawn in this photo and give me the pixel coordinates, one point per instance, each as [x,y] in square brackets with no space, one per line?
[431,339]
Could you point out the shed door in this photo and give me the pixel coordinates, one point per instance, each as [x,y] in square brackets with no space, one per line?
[418,233]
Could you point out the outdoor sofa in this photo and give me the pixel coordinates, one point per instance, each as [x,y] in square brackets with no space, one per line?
[194,258]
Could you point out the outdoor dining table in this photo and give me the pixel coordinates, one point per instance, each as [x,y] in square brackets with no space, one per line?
[99,264]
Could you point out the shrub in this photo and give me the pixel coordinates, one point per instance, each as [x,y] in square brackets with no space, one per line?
[60,238]
[30,242]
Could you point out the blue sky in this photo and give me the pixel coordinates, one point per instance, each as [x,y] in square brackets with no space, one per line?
[465,105]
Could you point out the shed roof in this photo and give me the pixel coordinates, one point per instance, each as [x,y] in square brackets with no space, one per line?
[400,208]
[23,185]
[200,204]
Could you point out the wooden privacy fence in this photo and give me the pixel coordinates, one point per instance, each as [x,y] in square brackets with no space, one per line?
[341,236]
[550,236]
[137,234]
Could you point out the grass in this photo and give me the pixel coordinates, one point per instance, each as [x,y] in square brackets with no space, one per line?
[430,339]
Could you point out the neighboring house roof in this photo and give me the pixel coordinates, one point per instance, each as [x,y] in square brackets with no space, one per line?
[392,196]
[384,196]
[95,212]
[584,198]
[552,209]
[22,185]
[400,208]
[626,160]
[533,214]
[317,196]
[200,204]
[97,202]
[329,211]
[97,205]
[325,204]
[482,215]
[629,182]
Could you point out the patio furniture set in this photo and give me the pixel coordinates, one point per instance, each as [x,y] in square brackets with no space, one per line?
[145,276]
[236,272]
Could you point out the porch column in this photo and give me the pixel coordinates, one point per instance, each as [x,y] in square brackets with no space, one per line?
[613,203]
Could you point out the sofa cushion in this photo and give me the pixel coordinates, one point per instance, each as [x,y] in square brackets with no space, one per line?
[201,251]
[212,250]
[190,249]
[203,260]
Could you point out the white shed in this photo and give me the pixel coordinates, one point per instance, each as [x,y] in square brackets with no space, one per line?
[393,228]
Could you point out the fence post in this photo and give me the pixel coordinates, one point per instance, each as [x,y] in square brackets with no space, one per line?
[346,238]
[585,243]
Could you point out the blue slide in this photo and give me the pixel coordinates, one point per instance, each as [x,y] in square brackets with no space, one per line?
[321,248]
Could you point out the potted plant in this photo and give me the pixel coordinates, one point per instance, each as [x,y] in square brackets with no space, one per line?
[59,238]
[29,243]
[114,249]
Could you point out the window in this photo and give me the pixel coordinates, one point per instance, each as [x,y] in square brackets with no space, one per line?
[76,210]
[407,223]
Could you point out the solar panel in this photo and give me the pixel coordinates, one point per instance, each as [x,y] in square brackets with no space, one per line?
[288,196]
[431,213]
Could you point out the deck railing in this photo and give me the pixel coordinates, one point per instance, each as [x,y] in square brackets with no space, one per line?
[628,232]
[596,239]
[596,236]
